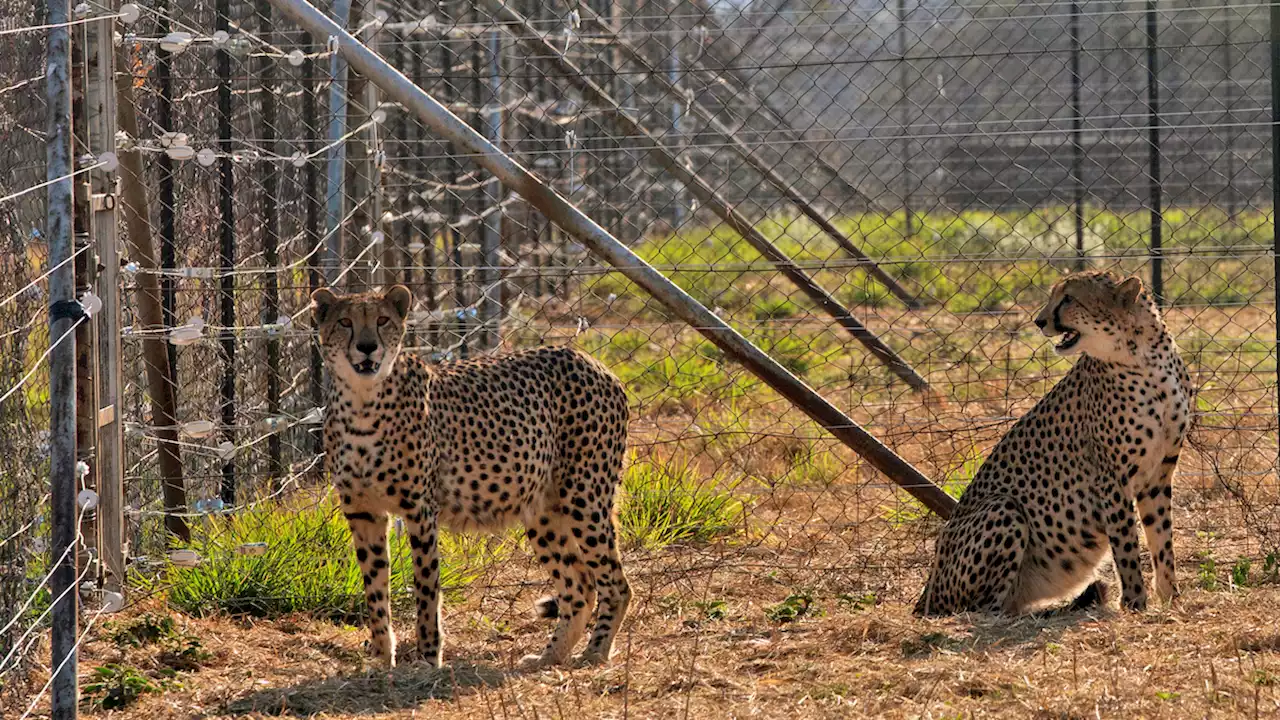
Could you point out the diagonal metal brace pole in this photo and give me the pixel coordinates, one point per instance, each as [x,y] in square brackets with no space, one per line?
[729,72]
[757,163]
[707,195]
[585,230]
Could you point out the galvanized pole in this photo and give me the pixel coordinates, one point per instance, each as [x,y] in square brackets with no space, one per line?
[1275,182]
[64,315]
[490,307]
[402,90]
[311,227]
[336,157]
[1153,150]
[903,110]
[1230,87]
[678,201]
[1077,124]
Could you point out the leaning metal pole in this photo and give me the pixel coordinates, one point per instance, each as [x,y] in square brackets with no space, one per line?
[629,126]
[748,155]
[573,220]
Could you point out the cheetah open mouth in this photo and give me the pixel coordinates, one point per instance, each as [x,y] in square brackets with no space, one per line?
[366,367]
[1069,340]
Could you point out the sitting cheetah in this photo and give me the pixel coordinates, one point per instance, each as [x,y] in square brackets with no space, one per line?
[1059,489]
[535,437]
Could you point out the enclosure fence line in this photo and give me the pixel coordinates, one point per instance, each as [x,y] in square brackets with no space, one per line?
[595,131]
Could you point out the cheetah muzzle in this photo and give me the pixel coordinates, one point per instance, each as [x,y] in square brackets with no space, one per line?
[1057,494]
[534,438]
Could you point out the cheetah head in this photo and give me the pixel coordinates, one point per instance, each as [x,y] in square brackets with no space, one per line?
[1101,315]
[360,335]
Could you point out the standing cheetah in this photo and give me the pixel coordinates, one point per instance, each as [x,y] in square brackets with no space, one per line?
[1059,489]
[536,437]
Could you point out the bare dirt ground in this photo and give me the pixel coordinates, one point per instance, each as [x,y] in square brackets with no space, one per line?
[1215,654]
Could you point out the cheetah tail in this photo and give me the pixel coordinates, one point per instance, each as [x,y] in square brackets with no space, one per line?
[547,608]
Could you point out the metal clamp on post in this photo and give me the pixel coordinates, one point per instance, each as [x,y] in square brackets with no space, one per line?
[66,310]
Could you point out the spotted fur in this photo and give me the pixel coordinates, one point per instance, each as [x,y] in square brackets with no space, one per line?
[1058,491]
[535,437]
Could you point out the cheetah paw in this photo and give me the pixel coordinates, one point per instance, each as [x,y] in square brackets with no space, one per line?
[536,662]
[590,659]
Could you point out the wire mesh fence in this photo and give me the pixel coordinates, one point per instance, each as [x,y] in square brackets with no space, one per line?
[878,194]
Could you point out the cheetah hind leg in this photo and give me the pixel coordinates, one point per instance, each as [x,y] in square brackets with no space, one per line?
[575,590]
[979,561]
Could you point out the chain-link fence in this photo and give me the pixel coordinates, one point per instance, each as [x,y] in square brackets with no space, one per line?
[876,194]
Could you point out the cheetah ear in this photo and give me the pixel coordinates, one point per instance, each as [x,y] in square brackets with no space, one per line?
[401,299]
[1129,290]
[322,301]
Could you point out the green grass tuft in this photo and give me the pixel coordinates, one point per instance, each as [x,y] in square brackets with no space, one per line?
[308,565]
[667,502]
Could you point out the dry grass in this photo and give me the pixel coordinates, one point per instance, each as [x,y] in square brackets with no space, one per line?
[1213,655]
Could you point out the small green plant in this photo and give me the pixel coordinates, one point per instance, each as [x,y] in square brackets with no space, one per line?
[1264,678]
[1207,573]
[116,686]
[1271,567]
[1240,572]
[185,655]
[792,608]
[712,609]
[667,502]
[857,603]
[1167,695]
[146,629]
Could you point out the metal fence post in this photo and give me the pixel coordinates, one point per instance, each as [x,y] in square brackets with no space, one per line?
[1153,172]
[63,319]
[336,156]
[1077,124]
[678,201]
[102,136]
[903,108]
[270,224]
[227,254]
[490,310]
[1275,184]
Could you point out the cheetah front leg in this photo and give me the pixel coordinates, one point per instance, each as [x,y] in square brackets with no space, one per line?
[369,535]
[1155,506]
[1122,532]
[424,541]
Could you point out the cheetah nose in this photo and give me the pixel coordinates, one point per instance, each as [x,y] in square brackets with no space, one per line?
[367,348]
[1041,322]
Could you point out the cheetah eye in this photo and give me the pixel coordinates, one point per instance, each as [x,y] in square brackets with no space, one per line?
[1066,299]
[345,322]
[383,320]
